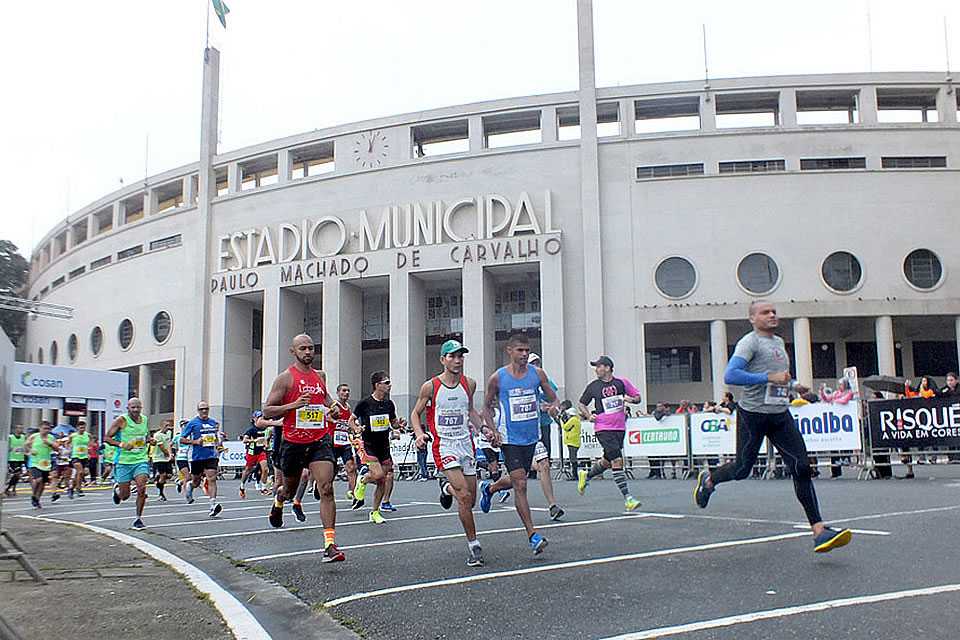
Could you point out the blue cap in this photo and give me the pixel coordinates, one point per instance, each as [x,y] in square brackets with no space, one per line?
[257,414]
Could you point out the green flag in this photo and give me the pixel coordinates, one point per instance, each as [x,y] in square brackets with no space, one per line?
[222,10]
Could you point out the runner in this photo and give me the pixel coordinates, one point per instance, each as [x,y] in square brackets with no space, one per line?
[39,447]
[182,457]
[15,459]
[93,460]
[760,364]
[130,434]
[162,456]
[110,453]
[385,504]
[79,454]
[255,441]
[270,430]
[202,433]
[63,476]
[514,387]
[342,449]
[375,416]
[452,421]
[603,402]
[299,395]
[541,456]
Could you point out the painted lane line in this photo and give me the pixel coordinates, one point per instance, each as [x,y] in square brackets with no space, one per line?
[237,617]
[786,611]
[320,526]
[892,514]
[109,506]
[448,536]
[264,513]
[563,565]
[698,516]
[866,532]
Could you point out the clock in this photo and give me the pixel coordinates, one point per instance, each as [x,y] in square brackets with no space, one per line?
[370,149]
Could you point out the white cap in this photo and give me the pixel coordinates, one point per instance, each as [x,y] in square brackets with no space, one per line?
[533,357]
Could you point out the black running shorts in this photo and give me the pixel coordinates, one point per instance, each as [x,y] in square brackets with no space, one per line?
[197,467]
[294,458]
[612,443]
[518,456]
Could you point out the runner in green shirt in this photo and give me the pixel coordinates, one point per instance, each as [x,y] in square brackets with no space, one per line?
[15,459]
[131,435]
[79,454]
[39,447]
[162,456]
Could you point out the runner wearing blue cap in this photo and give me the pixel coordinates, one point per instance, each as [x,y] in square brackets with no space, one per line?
[255,441]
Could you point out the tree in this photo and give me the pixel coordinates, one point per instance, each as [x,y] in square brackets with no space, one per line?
[14,271]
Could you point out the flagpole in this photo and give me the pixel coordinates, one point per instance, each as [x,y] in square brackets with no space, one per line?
[206,44]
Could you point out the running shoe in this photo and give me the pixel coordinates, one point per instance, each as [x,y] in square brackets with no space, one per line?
[138,524]
[538,543]
[631,503]
[70,494]
[376,518]
[356,504]
[179,487]
[332,554]
[387,506]
[446,500]
[316,491]
[350,495]
[361,490]
[80,493]
[34,502]
[215,510]
[485,496]
[475,559]
[504,496]
[298,512]
[55,497]
[830,539]
[189,493]
[243,492]
[701,494]
[276,516]
[556,512]
[163,498]
[581,481]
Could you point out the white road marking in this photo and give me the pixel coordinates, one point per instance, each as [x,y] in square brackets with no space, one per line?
[563,565]
[241,622]
[866,532]
[205,508]
[891,514]
[447,536]
[729,621]
[108,505]
[262,515]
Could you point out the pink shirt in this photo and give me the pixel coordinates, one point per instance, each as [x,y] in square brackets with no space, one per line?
[608,402]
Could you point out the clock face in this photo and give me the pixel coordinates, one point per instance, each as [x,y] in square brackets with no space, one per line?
[370,149]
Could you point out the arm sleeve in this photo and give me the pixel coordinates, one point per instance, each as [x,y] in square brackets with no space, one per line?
[737,374]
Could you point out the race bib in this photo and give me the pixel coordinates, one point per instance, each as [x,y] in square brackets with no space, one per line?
[43,464]
[261,442]
[451,423]
[312,416]
[777,394]
[524,407]
[380,422]
[138,444]
[18,450]
[208,440]
[341,438]
[613,404]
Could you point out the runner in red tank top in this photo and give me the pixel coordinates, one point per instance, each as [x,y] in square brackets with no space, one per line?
[299,395]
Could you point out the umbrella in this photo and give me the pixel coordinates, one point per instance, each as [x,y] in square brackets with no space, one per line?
[62,430]
[890,384]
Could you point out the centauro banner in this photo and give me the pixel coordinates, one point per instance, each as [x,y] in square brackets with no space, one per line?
[914,422]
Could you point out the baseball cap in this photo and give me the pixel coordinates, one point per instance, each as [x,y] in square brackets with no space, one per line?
[533,357]
[452,346]
[602,360]
[257,414]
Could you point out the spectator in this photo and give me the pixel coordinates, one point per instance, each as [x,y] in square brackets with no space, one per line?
[570,424]
[727,405]
[950,390]
[709,407]
[686,407]
[656,466]
[424,474]
[926,388]
[843,394]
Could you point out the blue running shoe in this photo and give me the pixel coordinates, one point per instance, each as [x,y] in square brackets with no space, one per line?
[485,496]
[538,543]
[831,539]
[386,506]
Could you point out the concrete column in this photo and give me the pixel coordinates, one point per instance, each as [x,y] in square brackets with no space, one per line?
[91,226]
[151,202]
[342,324]
[641,381]
[947,104]
[475,133]
[552,314]
[207,185]
[237,373]
[886,360]
[718,356]
[234,176]
[145,389]
[708,112]
[284,168]
[189,193]
[548,124]
[788,108]
[408,326]
[283,314]
[867,105]
[802,352]
[479,328]
[840,355]
[628,115]
[119,213]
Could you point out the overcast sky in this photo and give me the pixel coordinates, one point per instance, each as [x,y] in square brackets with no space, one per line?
[87,82]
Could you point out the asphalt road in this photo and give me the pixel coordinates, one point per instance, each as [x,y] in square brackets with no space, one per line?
[744,568]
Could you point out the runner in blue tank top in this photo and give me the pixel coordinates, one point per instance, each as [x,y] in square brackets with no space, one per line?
[514,390]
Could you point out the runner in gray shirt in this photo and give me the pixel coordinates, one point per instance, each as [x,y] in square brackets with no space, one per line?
[760,364]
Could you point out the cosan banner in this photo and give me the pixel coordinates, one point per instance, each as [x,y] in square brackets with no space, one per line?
[233,454]
[914,422]
[645,437]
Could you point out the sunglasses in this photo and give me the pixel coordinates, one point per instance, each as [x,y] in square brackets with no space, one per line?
[385,382]
[204,409]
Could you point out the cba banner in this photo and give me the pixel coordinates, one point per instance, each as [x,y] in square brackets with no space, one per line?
[915,422]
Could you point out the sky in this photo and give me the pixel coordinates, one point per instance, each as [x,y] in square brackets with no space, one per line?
[109,91]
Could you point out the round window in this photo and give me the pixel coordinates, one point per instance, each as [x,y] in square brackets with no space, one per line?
[923,269]
[161,327]
[758,273]
[676,277]
[72,347]
[54,352]
[125,333]
[841,271]
[96,340]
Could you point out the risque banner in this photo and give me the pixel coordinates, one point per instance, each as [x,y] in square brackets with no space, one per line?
[824,426]
[914,422]
[645,437]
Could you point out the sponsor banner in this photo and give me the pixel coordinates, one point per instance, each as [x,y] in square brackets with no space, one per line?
[915,422]
[715,434]
[645,437]
[20,401]
[234,454]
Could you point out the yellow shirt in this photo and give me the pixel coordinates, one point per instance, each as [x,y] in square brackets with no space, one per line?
[571,432]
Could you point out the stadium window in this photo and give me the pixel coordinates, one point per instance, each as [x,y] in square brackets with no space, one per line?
[169,196]
[79,271]
[78,233]
[440,138]
[222,185]
[913,162]
[754,109]
[129,253]
[752,166]
[60,244]
[259,172]
[165,243]
[655,115]
[59,281]
[132,208]
[313,160]
[675,277]
[608,121]
[103,220]
[923,269]
[102,262]
[670,171]
[256,331]
[827,107]
[832,164]
[824,356]
[934,358]
[673,365]
[841,271]
[511,129]
[907,104]
[863,356]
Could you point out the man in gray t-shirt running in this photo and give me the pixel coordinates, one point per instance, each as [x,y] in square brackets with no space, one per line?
[761,366]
